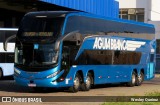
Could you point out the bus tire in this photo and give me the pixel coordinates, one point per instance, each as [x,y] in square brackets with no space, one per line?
[37,89]
[133,80]
[87,85]
[1,73]
[139,79]
[76,84]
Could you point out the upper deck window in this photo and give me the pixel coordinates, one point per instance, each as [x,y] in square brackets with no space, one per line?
[40,27]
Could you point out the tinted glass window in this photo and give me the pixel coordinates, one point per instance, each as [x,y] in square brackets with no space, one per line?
[2,57]
[151,57]
[35,28]
[87,25]
[42,55]
[103,57]
[2,36]
[10,33]
[9,57]
[5,34]
[126,57]
[6,57]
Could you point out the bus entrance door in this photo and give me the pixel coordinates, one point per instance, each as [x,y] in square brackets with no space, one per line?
[66,58]
[151,67]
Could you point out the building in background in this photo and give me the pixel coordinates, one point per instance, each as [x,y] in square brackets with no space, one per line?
[108,8]
[143,11]
[12,11]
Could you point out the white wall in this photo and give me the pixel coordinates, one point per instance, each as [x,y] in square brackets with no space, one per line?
[152,11]
[127,3]
[133,3]
[152,7]
[155,10]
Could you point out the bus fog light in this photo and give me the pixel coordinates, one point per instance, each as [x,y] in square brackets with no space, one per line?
[17,71]
[54,74]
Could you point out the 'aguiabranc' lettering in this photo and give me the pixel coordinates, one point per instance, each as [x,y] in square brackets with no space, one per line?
[116,44]
[108,43]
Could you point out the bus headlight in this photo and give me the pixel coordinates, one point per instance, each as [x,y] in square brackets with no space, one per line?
[16,71]
[54,74]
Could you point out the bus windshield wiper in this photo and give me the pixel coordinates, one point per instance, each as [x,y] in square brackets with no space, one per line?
[63,38]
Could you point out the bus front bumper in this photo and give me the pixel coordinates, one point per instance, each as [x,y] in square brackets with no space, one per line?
[45,82]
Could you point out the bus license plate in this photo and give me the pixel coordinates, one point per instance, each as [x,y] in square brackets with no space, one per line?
[32,85]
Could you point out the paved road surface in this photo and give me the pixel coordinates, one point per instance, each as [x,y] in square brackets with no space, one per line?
[9,88]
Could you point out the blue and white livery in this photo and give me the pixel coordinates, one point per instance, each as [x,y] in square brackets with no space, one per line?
[78,50]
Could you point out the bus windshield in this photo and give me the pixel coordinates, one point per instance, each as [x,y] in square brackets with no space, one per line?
[40,28]
[35,55]
[35,41]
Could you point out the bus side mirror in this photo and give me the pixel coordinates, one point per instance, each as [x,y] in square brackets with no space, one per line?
[7,40]
[57,44]
[78,38]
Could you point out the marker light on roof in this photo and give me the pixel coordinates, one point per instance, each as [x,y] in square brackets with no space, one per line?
[41,16]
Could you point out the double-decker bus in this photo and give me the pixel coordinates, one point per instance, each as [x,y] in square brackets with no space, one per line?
[78,50]
[7,57]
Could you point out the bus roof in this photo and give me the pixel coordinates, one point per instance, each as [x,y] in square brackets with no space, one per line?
[113,19]
[72,13]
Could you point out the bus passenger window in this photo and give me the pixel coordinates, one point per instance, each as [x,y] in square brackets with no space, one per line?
[151,57]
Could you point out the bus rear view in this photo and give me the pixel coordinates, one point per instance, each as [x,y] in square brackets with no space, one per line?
[7,57]
[78,50]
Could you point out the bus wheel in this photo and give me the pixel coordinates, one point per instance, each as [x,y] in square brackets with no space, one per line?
[37,89]
[87,85]
[76,84]
[133,80]
[139,79]
[1,73]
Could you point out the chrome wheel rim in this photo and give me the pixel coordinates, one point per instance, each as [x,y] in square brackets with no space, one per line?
[140,78]
[133,79]
[88,82]
[76,82]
